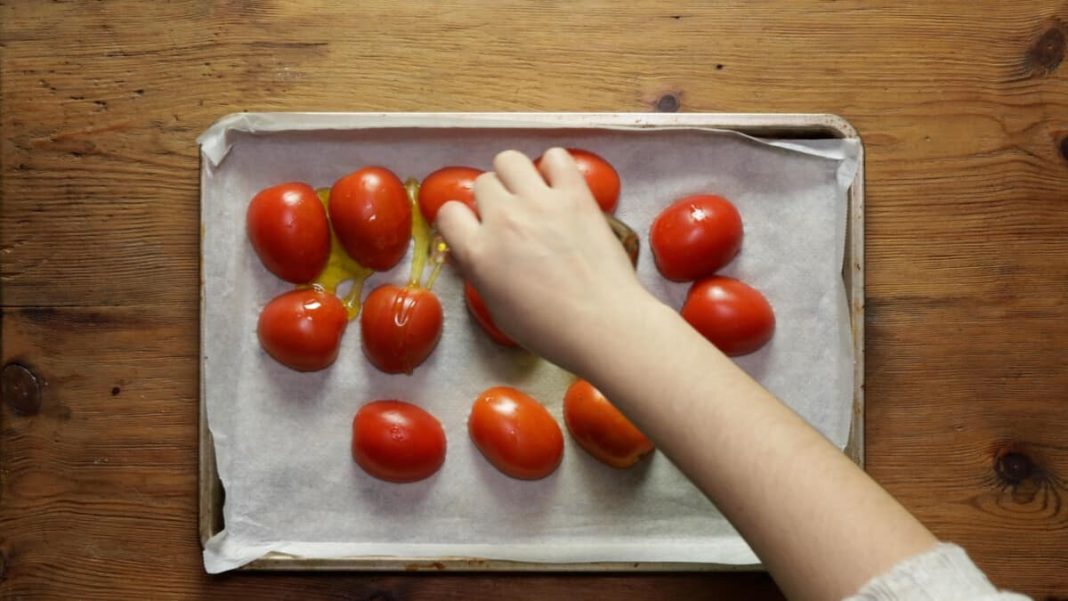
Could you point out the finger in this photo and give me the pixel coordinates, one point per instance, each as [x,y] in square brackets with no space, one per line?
[517,173]
[490,193]
[560,169]
[459,226]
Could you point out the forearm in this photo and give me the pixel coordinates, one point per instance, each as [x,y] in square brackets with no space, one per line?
[556,280]
[808,512]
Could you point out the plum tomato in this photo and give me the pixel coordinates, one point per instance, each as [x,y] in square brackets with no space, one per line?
[601,429]
[289,231]
[695,236]
[302,329]
[397,441]
[731,314]
[400,326]
[445,184]
[515,433]
[481,314]
[372,217]
[601,177]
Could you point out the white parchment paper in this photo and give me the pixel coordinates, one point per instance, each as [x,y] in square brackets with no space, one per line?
[282,438]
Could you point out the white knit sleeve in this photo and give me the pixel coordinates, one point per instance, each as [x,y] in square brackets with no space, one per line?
[945,573]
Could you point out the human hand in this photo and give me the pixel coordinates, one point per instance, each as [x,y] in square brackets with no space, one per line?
[557,281]
[543,257]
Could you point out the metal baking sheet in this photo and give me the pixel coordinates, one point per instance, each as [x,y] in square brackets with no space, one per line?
[766,126]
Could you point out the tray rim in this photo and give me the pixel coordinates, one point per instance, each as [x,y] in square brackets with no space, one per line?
[765,125]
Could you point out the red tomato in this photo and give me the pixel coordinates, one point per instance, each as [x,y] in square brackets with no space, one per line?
[515,433]
[730,314]
[288,229]
[601,177]
[372,217]
[695,236]
[401,327]
[481,314]
[601,429]
[445,184]
[302,329]
[397,441]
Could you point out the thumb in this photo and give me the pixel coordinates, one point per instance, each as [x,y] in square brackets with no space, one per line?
[459,226]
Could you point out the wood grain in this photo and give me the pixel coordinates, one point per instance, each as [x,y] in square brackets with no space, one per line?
[963,107]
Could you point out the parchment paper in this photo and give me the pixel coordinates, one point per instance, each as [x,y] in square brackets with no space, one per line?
[282,438]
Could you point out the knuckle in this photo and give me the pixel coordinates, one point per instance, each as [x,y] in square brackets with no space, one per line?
[473,257]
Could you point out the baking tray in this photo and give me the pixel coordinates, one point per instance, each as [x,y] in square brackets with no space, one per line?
[761,125]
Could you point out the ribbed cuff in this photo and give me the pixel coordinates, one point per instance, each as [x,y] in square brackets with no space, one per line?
[944,573]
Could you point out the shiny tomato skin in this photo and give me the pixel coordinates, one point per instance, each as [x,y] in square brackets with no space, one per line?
[695,236]
[731,314]
[397,441]
[601,177]
[302,329]
[516,433]
[445,184]
[372,217]
[400,326]
[288,229]
[481,314]
[601,429]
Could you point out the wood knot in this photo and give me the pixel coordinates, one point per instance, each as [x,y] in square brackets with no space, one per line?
[1024,485]
[1014,467]
[1064,148]
[1047,52]
[21,389]
[668,103]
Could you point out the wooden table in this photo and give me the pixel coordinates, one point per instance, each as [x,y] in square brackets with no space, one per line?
[963,107]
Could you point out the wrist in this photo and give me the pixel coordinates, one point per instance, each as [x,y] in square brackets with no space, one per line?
[617,330]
